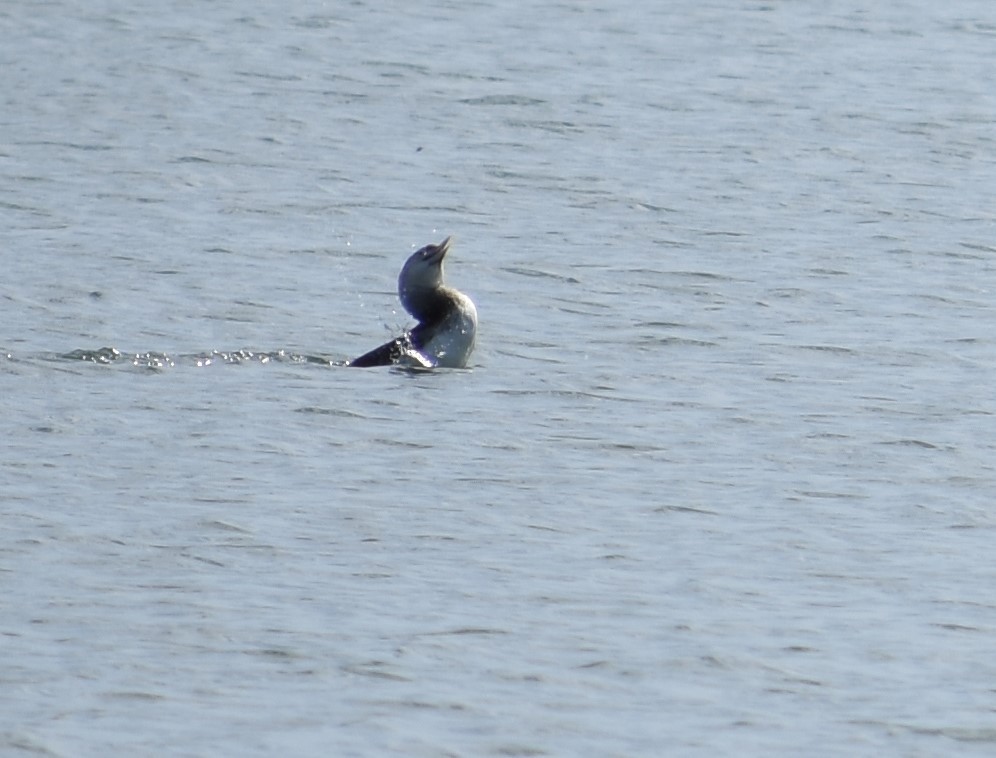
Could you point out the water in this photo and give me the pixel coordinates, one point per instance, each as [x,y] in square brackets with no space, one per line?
[720,480]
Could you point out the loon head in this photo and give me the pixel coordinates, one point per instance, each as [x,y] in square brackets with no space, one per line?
[422,277]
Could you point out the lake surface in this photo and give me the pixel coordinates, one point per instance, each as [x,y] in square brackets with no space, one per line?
[719,481]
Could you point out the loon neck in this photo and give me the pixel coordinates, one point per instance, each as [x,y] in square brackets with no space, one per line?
[429,304]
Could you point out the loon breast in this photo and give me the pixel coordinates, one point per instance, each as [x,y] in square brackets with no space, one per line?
[449,340]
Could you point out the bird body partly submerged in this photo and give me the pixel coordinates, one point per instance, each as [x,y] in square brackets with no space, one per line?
[447,319]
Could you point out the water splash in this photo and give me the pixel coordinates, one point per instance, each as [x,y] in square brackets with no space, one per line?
[156,361]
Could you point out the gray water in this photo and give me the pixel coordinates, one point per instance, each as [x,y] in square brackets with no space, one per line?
[720,478]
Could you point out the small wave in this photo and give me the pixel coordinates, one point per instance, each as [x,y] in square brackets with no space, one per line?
[503,100]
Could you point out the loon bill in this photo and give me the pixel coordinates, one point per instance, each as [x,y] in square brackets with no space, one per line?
[447,319]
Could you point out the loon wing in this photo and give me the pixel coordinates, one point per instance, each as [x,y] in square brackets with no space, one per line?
[385,355]
[405,350]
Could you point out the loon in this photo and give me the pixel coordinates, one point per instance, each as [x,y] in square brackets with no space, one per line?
[447,319]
